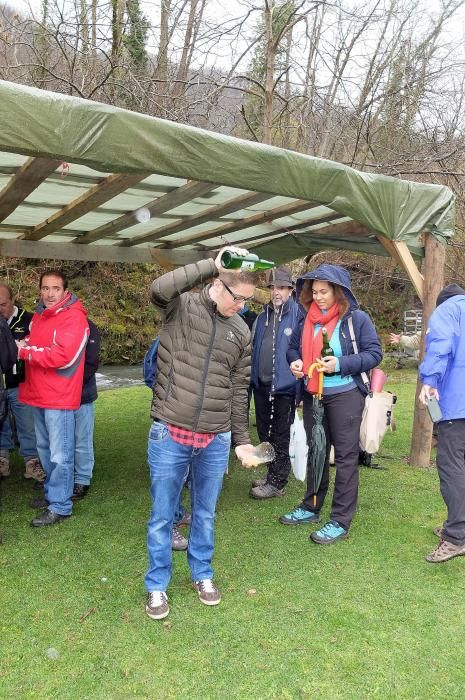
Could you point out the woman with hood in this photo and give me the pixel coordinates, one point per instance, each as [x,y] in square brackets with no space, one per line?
[327,297]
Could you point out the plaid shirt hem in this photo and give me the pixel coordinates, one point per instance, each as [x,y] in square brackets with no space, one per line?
[187,437]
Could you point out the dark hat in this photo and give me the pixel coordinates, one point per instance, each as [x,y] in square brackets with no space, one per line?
[451,290]
[279,277]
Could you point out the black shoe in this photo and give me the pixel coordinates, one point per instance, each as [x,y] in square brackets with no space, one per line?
[39,503]
[48,517]
[79,491]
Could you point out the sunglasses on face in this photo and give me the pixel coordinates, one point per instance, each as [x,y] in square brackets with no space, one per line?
[237,299]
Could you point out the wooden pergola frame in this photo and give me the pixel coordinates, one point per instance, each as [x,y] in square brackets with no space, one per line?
[202,191]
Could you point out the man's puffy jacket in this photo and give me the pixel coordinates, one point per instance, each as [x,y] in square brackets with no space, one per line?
[54,355]
[203,358]
[443,366]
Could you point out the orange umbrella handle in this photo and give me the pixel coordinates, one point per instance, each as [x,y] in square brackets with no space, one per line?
[320,377]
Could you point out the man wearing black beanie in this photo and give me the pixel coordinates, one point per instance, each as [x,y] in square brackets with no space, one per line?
[441,373]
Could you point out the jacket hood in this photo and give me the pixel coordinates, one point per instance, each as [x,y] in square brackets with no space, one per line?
[69,300]
[451,290]
[330,273]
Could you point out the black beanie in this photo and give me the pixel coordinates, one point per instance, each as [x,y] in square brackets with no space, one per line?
[452,290]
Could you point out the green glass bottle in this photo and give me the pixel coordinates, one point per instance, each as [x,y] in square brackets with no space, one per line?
[326,350]
[20,372]
[249,262]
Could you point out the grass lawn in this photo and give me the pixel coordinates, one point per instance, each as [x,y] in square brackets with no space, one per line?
[366,618]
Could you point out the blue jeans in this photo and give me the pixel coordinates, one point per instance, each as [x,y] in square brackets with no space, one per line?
[24,420]
[55,445]
[84,444]
[169,463]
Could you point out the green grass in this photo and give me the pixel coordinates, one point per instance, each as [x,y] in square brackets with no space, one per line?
[366,618]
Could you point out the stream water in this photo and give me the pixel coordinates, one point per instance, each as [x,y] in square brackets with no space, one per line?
[117,376]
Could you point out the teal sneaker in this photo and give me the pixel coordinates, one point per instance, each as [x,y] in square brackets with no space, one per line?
[329,533]
[299,516]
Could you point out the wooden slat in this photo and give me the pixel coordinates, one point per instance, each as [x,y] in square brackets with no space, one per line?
[284,230]
[401,254]
[158,206]
[67,251]
[28,177]
[110,187]
[261,218]
[212,213]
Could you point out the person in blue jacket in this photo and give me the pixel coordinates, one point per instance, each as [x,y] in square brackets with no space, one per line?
[273,384]
[442,376]
[327,296]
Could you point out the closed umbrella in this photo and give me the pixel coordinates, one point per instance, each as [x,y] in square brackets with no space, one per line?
[318,444]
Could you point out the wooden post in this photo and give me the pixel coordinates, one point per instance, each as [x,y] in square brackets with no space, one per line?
[433,273]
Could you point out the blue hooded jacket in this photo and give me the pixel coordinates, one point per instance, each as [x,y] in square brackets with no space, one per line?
[284,380]
[443,366]
[369,348]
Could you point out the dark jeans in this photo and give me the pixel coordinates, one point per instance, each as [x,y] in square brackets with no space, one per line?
[450,460]
[342,418]
[283,416]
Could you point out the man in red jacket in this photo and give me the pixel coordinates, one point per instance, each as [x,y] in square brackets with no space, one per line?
[54,357]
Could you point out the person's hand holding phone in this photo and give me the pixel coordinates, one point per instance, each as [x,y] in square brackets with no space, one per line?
[425,392]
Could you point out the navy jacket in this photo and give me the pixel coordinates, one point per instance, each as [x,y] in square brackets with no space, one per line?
[369,348]
[91,361]
[284,381]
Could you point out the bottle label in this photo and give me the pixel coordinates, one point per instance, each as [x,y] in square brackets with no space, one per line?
[248,265]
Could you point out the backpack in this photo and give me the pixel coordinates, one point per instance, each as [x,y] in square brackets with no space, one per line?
[150,368]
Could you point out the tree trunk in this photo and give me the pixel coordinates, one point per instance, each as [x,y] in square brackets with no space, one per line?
[420,449]
[270,57]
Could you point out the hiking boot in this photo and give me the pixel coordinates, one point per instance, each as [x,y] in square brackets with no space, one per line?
[79,491]
[329,533]
[34,470]
[258,482]
[439,531]
[4,466]
[299,516]
[39,503]
[445,551]
[157,605]
[186,519]
[48,517]
[266,491]
[178,541]
[208,592]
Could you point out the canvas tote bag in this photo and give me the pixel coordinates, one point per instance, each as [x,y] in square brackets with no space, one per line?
[377,414]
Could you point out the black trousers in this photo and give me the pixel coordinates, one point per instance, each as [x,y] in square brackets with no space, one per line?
[342,418]
[275,429]
[450,460]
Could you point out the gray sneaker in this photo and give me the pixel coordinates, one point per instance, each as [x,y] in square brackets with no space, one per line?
[178,541]
[34,470]
[445,551]
[157,605]
[266,491]
[4,466]
[259,482]
[208,592]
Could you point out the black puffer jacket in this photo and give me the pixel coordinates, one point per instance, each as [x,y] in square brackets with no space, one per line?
[203,358]
[8,354]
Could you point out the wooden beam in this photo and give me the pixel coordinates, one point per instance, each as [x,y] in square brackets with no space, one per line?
[28,177]
[283,231]
[420,447]
[105,190]
[232,205]
[260,218]
[158,206]
[16,248]
[401,254]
